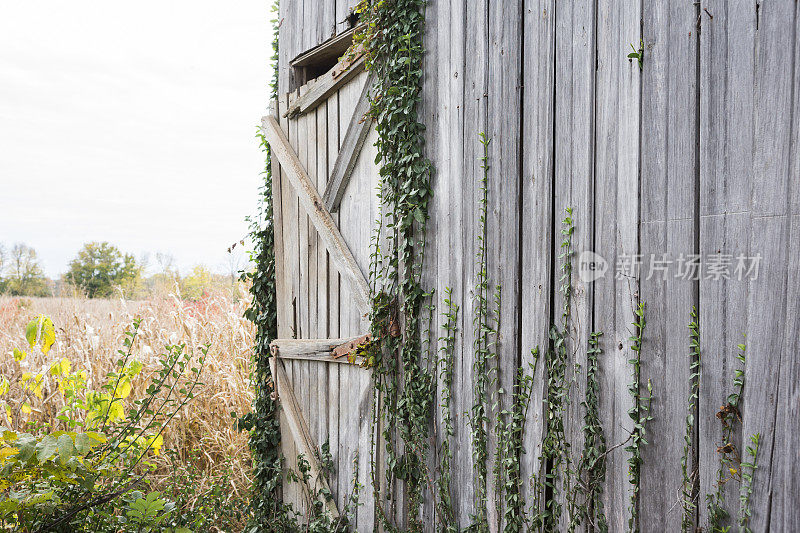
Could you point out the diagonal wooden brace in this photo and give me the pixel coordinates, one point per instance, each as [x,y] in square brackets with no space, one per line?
[302,436]
[317,213]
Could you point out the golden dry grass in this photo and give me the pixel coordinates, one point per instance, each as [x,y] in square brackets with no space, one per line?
[89,333]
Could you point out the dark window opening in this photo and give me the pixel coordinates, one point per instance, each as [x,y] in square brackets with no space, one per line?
[320,59]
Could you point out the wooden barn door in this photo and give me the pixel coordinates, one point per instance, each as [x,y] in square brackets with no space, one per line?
[325,204]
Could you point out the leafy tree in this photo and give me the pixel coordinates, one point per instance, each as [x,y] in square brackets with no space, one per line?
[198,283]
[25,275]
[100,267]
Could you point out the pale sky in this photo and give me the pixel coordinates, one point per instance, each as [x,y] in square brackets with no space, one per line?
[133,123]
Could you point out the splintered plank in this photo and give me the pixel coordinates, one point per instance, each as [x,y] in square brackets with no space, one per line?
[326,85]
[311,202]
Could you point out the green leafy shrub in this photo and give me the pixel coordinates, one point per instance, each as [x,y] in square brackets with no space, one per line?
[65,479]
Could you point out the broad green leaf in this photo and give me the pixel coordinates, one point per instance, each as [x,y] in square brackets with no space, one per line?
[66,448]
[31,330]
[27,446]
[19,355]
[83,443]
[46,448]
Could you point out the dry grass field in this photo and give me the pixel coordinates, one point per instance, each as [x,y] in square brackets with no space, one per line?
[89,333]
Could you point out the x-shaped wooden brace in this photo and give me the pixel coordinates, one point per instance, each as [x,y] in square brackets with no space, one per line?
[318,211]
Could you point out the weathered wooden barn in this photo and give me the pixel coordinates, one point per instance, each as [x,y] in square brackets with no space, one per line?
[671,129]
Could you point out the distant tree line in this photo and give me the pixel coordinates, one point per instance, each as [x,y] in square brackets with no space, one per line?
[101,270]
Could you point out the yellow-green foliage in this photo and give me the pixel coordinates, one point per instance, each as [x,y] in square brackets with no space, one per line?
[61,383]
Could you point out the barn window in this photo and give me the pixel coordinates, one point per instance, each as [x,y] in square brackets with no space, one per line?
[322,58]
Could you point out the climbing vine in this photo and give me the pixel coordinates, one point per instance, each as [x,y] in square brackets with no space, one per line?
[729,460]
[482,347]
[555,457]
[591,472]
[392,40]
[511,444]
[640,414]
[690,478]
[445,365]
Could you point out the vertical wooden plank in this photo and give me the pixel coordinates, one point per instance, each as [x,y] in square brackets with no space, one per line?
[323,407]
[574,188]
[299,143]
[289,207]
[328,19]
[284,37]
[726,161]
[475,74]
[368,182]
[774,156]
[363,416]
[343,10]
[435,75]
[312,369]
[334,385]
[310,254]
[281,282]
[669,171]
[504,107]
[537,212]
[616,236]
[298,138]
[291,492]
[786,469]
[348,425]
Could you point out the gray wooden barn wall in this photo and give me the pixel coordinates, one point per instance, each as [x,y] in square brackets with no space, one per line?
[697,152]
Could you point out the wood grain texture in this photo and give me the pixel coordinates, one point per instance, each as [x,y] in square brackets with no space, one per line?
[668,203]
[574,189]
[321,88]
[537,215]
[302,436]
[768,307]
[357,131]
[616,235]
[504,109]
[727,70]
[312,204]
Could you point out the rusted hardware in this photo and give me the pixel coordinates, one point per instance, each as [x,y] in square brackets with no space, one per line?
[348,347]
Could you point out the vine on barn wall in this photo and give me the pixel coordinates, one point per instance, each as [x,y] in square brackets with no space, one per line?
[484,352]
[690,478]
[392,40]
[640,414]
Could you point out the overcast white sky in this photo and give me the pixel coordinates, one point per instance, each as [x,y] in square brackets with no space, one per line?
[132,123]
